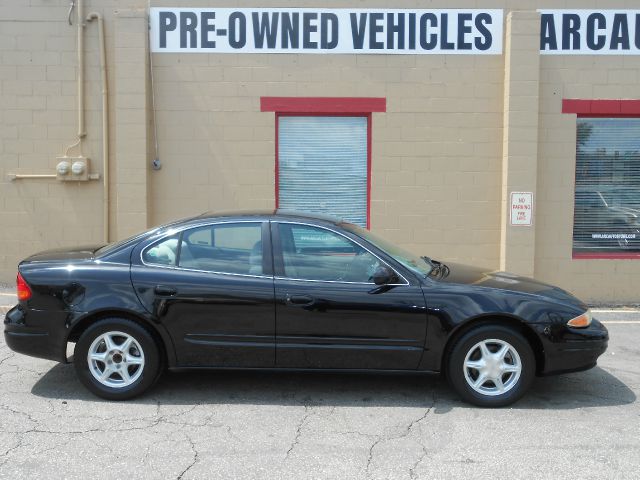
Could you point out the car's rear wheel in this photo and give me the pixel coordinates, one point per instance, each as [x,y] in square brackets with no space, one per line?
[491,366]
[117,359]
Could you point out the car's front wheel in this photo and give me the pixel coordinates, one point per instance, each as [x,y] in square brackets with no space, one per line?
[117,359]
[491,366]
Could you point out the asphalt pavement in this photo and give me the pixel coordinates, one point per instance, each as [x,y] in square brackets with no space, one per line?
[236,425]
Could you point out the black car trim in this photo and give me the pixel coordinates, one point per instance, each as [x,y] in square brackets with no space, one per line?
[227,338]
[350,340]
[27,334]
[352,346]
[226,343]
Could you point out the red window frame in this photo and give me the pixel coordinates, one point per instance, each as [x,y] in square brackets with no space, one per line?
[325,107]
[585,108]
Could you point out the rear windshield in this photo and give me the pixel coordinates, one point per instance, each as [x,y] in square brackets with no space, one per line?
[112,247]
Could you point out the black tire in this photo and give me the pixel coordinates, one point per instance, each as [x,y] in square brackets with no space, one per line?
[150,370]
[455,369]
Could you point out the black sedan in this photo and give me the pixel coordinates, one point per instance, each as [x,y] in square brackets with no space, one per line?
[289,291]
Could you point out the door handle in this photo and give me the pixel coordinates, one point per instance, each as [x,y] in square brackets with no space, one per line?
[165,290]
[300,300]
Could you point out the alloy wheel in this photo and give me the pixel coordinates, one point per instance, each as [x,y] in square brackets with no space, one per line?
[116,359]
[492,367]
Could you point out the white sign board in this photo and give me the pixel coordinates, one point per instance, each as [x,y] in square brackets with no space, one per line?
[322,30]
[522,208]
[590,32]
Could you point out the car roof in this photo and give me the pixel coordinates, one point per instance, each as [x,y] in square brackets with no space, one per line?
[276,214]
[257,215]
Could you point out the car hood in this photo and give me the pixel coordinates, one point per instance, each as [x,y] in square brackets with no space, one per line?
[482,277]
[84,252]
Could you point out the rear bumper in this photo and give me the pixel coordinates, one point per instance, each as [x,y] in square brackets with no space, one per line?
[576,349]
[36,333]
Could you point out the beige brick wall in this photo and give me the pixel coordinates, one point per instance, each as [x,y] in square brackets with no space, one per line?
[576,77]
[437,157]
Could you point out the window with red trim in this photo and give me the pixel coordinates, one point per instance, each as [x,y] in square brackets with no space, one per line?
[607,196]
[323,154]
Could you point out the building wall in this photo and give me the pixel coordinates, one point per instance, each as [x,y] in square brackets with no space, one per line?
[609,77]
[438,152]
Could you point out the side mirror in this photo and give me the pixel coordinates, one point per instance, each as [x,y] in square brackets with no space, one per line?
[384,275]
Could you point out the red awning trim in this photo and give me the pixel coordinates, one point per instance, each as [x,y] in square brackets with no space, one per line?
[591,108]
[323,104]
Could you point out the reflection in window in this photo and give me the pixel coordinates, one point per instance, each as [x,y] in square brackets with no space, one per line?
[311,253]
[607,198]
[225,248]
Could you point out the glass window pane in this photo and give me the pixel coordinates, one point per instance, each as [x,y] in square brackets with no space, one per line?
[200,236]
[230,248]
[164,252]
[322,166]
[607,199]
[311,253]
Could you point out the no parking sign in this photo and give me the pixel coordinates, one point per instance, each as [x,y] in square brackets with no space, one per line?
[522,208]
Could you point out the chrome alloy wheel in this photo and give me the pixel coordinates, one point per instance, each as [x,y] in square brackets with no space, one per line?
[115,359]
[492,367]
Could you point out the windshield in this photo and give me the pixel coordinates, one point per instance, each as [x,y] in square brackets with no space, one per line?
[413,262]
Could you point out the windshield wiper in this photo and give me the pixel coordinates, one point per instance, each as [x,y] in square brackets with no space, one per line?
[437,268]
[428,260]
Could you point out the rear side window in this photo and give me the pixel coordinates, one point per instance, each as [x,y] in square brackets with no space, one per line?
[224,248]
[164,252]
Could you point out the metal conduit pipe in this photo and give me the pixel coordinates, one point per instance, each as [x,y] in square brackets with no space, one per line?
[80,27]
[105,122]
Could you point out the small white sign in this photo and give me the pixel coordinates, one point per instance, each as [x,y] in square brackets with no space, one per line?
[522,208]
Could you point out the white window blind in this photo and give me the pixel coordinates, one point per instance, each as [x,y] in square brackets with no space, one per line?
[607,198]
[322,166]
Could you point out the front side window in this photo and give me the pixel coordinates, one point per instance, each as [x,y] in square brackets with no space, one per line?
[312,253]
[409,260]
[323,165]
[607,196]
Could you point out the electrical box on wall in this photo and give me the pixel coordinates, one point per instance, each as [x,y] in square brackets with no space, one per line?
[75,169]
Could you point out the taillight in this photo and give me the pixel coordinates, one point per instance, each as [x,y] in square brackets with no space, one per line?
[24,291]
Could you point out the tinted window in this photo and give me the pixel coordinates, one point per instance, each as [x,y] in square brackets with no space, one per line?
[311,253]
[607,198]
[199,236]
[411,261]
[164,252]
[225,248]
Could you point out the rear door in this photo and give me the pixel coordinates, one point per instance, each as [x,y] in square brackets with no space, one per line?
[211,286]
[329,312]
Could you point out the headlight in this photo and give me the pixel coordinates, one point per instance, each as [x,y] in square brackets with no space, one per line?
[581,321]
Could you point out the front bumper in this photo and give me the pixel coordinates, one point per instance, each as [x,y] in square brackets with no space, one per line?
[36,333]
[574,349]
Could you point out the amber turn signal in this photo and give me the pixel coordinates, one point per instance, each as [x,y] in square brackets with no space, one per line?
[581,321]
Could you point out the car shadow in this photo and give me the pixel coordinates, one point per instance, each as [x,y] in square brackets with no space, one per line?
[593,388]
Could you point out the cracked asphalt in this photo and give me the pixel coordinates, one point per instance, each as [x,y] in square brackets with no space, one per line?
[230,425]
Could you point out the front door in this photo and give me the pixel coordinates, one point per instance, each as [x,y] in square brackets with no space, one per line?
[329,312]
[211,286]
